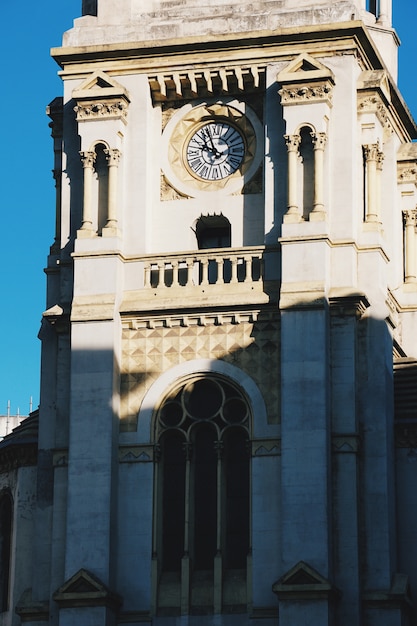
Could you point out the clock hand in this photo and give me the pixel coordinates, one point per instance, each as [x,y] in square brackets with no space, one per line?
[213,148]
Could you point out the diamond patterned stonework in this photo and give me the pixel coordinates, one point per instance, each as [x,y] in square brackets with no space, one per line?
[148,352]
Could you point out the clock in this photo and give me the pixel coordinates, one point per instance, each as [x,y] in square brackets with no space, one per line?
[215,150]
[211,148]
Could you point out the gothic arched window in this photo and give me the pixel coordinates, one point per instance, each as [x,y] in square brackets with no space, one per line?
[6,512]
[202,493]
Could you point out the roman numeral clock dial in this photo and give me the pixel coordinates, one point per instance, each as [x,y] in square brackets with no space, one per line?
[215,151]
[211,148]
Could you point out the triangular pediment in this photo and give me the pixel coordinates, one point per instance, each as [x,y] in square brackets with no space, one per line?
[304,68]
[99,85]
[303,574]
[303,581]
[85,589]
[82,582]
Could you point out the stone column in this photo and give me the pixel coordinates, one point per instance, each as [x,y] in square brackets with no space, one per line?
[56,112]
[319,142]
[371,152]
[57,174]
[379,167]
[410,218]
[384,17]
[113,158]
[88,160]
[292,214]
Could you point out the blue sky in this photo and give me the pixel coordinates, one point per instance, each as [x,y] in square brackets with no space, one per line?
[30,82]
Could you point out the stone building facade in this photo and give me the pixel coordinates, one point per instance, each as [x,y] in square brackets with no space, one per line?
[232,294]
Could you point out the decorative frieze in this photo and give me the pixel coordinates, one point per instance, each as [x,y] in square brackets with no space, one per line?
[100,97]
[104,109]
[407,163]
[373,103]
[407,173]
[306,93]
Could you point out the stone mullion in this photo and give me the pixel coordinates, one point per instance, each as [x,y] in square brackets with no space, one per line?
[218,559]
[185,561]
[155,533]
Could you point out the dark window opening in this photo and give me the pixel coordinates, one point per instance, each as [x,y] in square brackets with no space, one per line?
[89,7]
[213,231]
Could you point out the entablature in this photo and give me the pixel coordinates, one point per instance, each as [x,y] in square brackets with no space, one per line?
[206,82]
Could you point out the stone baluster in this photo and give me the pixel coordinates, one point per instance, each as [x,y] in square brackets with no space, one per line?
[204,271]
[175,270]
[219,268]
[161,274]
[190,268]
[234,277]
[147,275]
[248,269]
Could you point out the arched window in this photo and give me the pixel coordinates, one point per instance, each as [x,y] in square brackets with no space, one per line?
[101,187]
[202,495]
[213,231]
[307,166]
[6,511]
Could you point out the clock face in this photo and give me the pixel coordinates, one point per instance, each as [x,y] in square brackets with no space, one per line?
[215,151]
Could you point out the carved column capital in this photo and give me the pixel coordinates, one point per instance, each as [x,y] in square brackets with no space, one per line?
[380,160]
[292,142]
[113,156]
[88,159]
[410,217]
[371,151]
[319,140]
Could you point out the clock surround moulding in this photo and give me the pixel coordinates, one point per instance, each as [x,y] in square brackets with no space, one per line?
[183,126]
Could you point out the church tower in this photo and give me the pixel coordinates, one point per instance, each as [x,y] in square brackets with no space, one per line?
[233,274]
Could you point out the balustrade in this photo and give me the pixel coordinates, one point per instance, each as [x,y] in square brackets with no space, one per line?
[214,267]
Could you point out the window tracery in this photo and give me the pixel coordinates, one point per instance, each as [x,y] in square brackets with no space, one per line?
[202,539]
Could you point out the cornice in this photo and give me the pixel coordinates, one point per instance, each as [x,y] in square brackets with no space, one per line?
[262,46]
